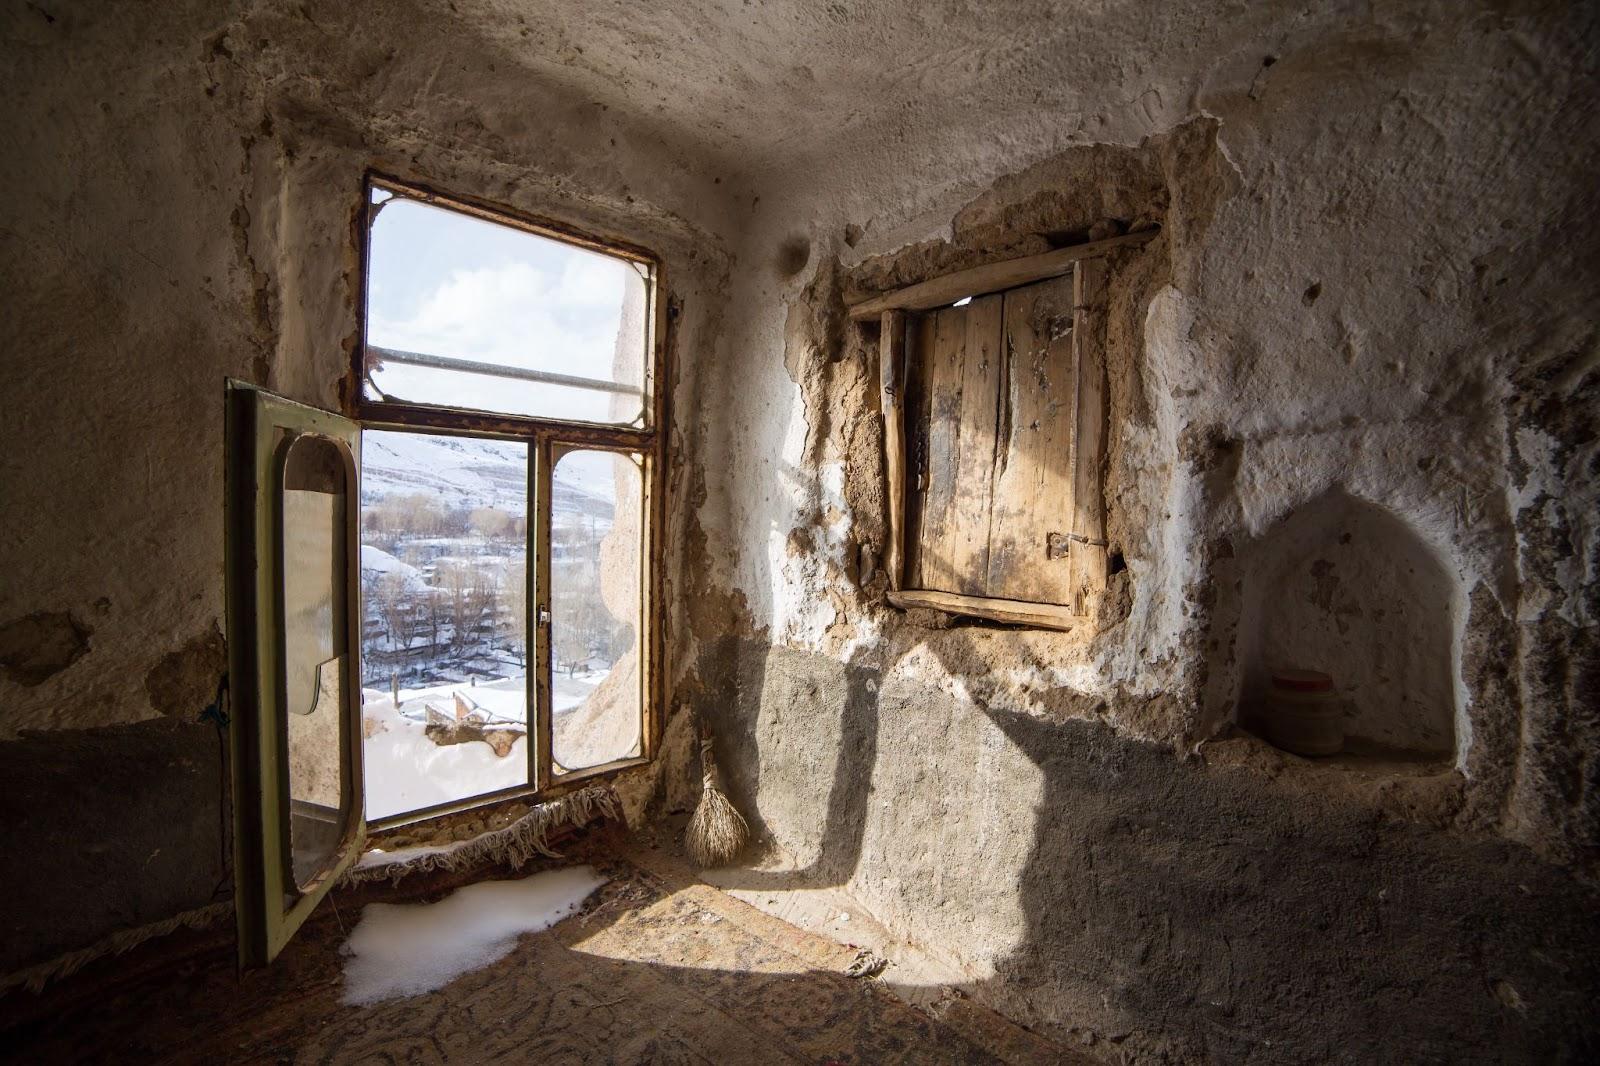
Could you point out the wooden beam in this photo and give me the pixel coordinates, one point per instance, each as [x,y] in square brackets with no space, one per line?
[993,277]
[1041,615]
[891,382]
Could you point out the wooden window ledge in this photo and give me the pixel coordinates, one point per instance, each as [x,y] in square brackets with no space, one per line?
[1015,612]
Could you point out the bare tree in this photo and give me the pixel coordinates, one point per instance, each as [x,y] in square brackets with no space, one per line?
[455,583]
[433,609]
[515,598]
[470,592]
[491,522]
[582,626]
[483,595]
[396,606]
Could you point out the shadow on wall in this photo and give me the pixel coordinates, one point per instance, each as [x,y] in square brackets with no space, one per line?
[1169,909]
[737,722]
[1345,587]
[1204,914]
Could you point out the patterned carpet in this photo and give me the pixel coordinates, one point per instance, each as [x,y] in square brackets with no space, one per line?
[658,968]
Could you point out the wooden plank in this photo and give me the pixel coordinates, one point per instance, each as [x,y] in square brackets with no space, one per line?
[1033,488]
[944,381]
[891,398]
[992,277]
[920,333]
[1042,615]
[1089,440]
[968,532]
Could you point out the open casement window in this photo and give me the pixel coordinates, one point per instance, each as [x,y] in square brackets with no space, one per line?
[293,642]
[450,600]
[994,412]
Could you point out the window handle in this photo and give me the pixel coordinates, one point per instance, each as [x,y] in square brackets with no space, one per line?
[544,616]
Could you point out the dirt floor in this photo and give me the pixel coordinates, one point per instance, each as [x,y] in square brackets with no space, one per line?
[658,967]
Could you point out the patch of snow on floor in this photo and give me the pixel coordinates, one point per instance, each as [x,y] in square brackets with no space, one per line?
[406,949]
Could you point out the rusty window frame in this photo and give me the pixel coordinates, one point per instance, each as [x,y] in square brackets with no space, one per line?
[543,437]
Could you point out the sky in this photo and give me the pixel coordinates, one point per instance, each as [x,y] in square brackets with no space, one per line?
[449,284]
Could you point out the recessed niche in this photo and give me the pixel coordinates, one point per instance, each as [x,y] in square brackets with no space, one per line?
[1347,588]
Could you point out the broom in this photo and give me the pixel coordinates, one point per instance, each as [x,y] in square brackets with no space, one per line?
[717,832]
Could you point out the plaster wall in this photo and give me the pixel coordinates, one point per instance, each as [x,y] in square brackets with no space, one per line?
[1348,587]
[1375,277]
[182,185]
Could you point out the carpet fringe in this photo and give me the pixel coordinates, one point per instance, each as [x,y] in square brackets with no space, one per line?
[34,978]
[514,844]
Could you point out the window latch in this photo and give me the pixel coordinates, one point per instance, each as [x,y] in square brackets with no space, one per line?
[544,616]
[1057,545]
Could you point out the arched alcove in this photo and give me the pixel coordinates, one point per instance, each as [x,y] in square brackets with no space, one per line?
[1346,587]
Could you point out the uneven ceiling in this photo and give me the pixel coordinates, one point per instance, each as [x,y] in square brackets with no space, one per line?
[758,90]
[763,85]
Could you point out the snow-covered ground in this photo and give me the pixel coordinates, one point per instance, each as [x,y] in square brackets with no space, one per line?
[376,560]
[404,770]
[461,471]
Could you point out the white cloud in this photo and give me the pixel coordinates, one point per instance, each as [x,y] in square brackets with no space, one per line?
[559,314]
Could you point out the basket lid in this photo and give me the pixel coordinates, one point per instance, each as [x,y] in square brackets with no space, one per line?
[1302,681]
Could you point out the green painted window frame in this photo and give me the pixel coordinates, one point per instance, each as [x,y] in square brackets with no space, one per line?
[270,906]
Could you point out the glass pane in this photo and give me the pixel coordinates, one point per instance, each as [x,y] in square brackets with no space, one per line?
[463,312]
[444,577]
[315,498]
[597,507]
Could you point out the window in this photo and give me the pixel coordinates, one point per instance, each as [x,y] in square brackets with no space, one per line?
[994,416]
[490,560]
[451,597]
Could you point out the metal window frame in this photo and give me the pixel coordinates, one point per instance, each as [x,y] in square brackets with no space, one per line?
[546,440]
[269,904]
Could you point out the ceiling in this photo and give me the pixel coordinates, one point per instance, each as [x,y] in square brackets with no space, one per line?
[781,83]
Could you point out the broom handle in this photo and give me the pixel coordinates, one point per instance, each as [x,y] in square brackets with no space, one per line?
[709,777]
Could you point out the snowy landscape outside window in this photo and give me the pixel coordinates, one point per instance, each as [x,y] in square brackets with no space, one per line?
[507,468]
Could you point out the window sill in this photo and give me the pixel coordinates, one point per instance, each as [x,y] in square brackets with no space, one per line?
[493,803]
[1013,612]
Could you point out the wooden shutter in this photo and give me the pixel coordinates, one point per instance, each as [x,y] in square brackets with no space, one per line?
[1003,408]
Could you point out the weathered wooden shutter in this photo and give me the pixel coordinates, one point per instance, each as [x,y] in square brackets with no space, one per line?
[1004,440]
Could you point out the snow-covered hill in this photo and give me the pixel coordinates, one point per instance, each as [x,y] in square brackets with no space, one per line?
[466,472]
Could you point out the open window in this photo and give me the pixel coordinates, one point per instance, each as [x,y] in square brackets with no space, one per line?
[450,598]
[292,641]
[994,413]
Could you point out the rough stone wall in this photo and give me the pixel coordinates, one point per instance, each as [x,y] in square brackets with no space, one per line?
[182,184]
[1374,277]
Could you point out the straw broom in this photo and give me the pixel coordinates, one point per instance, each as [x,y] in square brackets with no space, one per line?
[717,832]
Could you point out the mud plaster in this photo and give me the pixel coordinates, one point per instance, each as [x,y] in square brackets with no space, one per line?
[183,190]
[1345,298]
